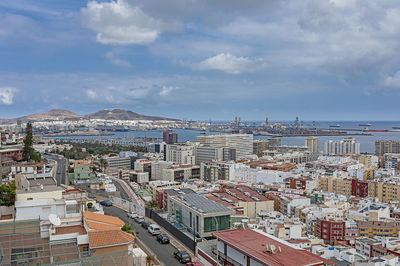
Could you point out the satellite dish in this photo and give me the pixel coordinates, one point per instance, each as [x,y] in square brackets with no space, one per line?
[54,220]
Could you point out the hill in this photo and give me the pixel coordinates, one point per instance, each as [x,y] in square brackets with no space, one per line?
[119,114]
[60,114]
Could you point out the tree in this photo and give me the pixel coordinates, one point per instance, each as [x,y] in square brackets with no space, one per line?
[152,204]
[28,144]
[104,164]
[28,152]
[7,194]
[126,228]
[89,205]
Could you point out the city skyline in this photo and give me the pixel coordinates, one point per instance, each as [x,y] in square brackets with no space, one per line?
[319,60]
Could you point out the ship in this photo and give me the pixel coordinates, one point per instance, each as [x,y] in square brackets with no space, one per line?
[396,127]
[375,130]
[335,125]
[365,125]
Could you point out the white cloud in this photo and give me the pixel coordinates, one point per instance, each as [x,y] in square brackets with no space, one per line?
[393,82]
[117,61]
[7,95]
[91,94]
[120,23]
[166,90]
[230,64]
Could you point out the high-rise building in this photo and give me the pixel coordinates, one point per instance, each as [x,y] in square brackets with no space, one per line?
[242,143]
[345,146]
[386,146]
[170,138]
[261,145]
[180,154]
[312,144]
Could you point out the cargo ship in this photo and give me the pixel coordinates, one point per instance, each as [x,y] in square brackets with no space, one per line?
[335,125]
[375,130]
[396,127]
[365,125]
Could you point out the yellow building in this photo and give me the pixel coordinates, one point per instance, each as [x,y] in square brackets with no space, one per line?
[378,228]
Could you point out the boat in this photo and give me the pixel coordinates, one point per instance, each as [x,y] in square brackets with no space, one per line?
[365,125]
[335,125]
[396,127]
[375,130]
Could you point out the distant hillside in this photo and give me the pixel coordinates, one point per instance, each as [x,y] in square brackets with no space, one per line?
[60,114]
[118,114]
[55,114]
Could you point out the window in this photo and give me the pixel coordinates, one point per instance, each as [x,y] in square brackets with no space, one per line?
[85,251]
[190,218]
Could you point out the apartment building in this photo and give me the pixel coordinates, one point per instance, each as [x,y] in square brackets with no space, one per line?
[181,173]
[261,145]
[214,171]
[312,144]
[180,154]
[242,143]
[119,162]
[330,230]
[371,229]
[386,146]
[345,146]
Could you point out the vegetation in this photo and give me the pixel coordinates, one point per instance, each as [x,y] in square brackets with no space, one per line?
[126,228]
[95,148]
[89,205]
[152,204]
[7,194]
[28,152]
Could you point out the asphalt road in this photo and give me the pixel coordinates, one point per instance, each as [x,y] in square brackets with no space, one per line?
[61,168]
[165,253]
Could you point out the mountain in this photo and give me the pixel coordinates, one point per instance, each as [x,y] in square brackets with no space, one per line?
[60,114]
[55,114]
[118,114]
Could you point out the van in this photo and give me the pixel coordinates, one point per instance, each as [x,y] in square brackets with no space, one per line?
[154,229]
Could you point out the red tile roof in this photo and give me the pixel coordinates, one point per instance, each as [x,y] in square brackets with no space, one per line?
[253,244]
[106,238]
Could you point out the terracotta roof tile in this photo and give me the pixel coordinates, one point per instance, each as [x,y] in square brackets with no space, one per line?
[104,238]
[101,226]
[101,218]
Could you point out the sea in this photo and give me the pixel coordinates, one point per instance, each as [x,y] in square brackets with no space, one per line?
[367,142]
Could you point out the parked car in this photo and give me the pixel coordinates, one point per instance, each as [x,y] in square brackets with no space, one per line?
[182,256]
[146,224]
[154,229]
[163,238]
[139,219]
[131,215]
[106,203]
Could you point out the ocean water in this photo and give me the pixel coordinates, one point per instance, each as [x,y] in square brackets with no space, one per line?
[367,143]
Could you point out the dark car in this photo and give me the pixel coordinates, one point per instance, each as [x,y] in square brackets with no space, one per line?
[106,203]
[163,238]
[182,256]
[146,224]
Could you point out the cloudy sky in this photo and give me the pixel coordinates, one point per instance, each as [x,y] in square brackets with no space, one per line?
[203,59]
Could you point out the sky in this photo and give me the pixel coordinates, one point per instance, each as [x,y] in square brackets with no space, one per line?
[202,59]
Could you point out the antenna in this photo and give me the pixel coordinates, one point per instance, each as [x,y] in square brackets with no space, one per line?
[54,219]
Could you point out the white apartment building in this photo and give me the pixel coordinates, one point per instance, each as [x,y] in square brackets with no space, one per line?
[242,143]
[180,154]
[345,146]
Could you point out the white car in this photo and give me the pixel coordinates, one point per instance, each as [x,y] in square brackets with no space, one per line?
[132,215]
[154,229]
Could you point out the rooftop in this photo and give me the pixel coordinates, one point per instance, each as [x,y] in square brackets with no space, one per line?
[202,204]
[106,238]
[102,222]
[254,245]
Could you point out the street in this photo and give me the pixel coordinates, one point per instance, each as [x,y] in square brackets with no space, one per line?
[164,252]
[61,167]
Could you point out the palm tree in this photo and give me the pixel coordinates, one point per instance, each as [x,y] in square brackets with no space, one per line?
[152,204]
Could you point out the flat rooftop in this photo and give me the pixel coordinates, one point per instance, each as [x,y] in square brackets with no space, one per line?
[202,204]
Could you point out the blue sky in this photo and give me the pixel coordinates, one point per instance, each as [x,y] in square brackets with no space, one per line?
[203,59]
